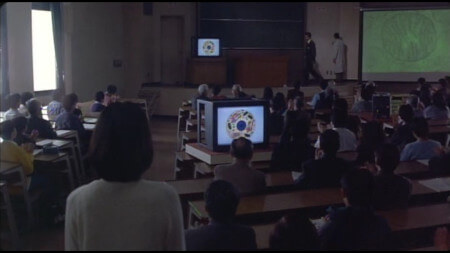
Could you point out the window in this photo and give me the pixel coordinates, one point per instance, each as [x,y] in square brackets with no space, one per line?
[44,59]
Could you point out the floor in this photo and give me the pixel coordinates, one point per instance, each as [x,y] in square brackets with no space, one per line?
[163,131]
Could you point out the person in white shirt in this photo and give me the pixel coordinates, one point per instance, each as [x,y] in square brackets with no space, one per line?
[347,138]
[338,57]
[14,104]
[121,211]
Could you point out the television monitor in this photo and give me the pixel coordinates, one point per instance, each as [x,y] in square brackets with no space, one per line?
[207,47]
[226,120]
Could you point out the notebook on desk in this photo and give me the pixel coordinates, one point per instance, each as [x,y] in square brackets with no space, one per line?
[60,133]
[441,184]
[37,152]
[43,143]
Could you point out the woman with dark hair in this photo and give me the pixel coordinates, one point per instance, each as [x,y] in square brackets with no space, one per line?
[268,93]
[372,138]
[122,211]
[294,232]
[438,110]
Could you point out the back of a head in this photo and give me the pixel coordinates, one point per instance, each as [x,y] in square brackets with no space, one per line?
[279,102]
[358,185]
[420,127]
[324,84]
[387,157]
[216,90]
[237,88]
[294,232]
[297,85]
[372,134]
[221,200]
[34,107]
[26,96]
[438,100]
[121,146]
[20,123]
[7,129]
[203,89]
[14,100]
[336,36]
[242,148]
[421,80]
[99,96]
[367,92]
[69,101]
[111,89]
[329,142]
[406,112]
[268,93]
[339,118]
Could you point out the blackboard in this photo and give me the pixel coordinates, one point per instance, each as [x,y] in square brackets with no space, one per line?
[254,24]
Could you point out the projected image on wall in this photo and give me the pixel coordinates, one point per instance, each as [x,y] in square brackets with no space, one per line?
[235,122]
[405,45]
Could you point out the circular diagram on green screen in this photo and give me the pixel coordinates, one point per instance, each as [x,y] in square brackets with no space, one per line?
[240,123]
[409,37]
[209,47]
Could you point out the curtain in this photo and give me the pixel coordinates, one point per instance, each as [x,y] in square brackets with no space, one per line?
[4,58]
[55,8]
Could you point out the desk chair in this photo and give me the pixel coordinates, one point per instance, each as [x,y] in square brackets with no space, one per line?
[9,212]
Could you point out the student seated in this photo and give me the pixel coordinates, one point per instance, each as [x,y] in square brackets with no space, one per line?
[111,95]
[20,123]
[371,139]
[121,211]
[267,93]
[413,101]
[222,233]
[98,106]
[295,92]
[240,173]
[320,95]
[365,105]
[12,152]
[422,148]
[391,191]
[403,133]
[294,147]
[276,116]
[216,92]
[238,92]
[13,101]
[55,107]
[202,93]
[68,120]
[327,169]
[24,97]
[37,123]
[438,109]
[294,232]
[339,122]
[356,226]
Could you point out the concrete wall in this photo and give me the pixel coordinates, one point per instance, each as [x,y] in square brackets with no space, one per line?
[323,20]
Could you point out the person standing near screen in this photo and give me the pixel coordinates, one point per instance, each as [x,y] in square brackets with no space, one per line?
[310,58]
[338,57]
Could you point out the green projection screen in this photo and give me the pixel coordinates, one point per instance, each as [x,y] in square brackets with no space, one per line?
[405,45]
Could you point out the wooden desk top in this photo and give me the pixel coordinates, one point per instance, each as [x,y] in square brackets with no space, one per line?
[65,133]
[399,220]
[198,151]
[410,167]
[58,143]
[261,204]
[49,157]
[198,186]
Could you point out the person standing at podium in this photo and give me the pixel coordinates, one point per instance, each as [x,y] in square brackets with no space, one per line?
[310,59]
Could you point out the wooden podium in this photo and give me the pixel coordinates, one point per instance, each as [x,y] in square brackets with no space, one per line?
[261,71]
[207,70]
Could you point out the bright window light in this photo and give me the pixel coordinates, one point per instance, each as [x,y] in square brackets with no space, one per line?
[44,60]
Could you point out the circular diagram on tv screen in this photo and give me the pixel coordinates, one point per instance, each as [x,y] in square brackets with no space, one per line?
[240,123]
[209,47]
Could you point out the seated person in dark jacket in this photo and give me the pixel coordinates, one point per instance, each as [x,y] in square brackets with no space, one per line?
[327,170]
[221,199]
[276,116]
[69,121]
[294,147]
[294,232]
[404,133]
[20,123]
[98,105]
[36,122]
[356,226]
[371,139]
[391,191]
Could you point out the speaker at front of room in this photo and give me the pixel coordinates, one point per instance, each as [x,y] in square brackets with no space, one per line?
[381,106]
